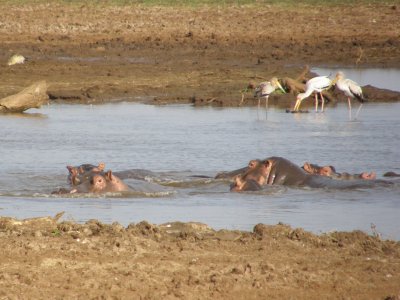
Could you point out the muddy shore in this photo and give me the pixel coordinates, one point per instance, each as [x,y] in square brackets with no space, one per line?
[202,55]
[43,258]
[205,56]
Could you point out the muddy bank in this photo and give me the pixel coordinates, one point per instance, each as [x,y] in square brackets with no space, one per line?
[45,257]
[205,56]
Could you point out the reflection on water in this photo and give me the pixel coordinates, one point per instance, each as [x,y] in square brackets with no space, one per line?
[24,115]
[380,78]
[180,142]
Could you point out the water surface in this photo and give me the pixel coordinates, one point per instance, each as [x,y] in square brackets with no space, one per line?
[182,140]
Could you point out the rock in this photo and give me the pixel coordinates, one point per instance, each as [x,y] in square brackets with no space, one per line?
[16,59]
[31,97]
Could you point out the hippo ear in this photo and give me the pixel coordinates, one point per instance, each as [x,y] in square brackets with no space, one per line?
[73,171]
[101,166]
[252,164]
[109,175]
[306,166]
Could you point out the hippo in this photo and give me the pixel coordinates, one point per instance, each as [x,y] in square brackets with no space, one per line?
[280,171]
[99,183]
[330,171]
[233,174]
[81,173]
[391,174]
[88,178]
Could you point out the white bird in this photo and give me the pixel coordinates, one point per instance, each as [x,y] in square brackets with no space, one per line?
[16,59]
[266,88]
[316,85]
[350,88]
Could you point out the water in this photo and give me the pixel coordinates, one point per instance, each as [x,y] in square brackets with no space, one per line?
[182,140]
[381,78]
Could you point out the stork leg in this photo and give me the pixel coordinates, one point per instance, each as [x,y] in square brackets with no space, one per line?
[316,102]
[323,102]
[266,107]
[241,101]
[358,111]
[259,102]
[297,105]
[349,101]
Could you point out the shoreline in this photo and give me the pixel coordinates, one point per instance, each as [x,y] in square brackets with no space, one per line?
[192,261]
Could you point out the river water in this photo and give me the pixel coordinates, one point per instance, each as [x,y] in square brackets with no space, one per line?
[178,141]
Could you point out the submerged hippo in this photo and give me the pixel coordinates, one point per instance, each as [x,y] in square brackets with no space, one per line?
[391,174]
[81,173]
[101,183]
[89,178]
[280,171]
[330,171]
[235,173]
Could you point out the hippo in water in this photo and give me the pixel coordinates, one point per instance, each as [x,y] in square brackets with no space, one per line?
[391,174]
[81,173]
[231,175]
[101,183]
[280,171]
[89,178]
[330,171]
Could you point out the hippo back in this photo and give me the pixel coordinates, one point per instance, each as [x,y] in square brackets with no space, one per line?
[285,172]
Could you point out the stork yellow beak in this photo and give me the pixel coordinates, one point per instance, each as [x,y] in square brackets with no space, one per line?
[280,87]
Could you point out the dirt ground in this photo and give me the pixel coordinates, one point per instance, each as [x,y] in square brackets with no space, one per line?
[205,56]
[42,258]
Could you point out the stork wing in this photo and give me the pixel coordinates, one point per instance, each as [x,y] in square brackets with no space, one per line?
[354,88]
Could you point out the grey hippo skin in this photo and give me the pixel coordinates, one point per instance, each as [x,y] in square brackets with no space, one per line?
[101,183]
[89,178]
[231,175]
[280,171]
[391,174]
[82,173]
[330,171]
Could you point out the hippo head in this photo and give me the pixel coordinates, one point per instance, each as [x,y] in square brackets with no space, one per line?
[317,170]
[240,185]
[98,184]
[73,175]
[255,176]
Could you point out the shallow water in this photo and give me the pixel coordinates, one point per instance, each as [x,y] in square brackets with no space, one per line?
[179,141]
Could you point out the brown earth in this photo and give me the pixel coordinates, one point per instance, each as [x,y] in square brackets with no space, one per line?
[42,258]
[203,55]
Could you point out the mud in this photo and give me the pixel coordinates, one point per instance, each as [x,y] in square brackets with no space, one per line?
[44,257]
[201,55]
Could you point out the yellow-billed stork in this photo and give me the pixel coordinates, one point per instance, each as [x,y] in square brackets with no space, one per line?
[316,85]
[350,88]
[266,88]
